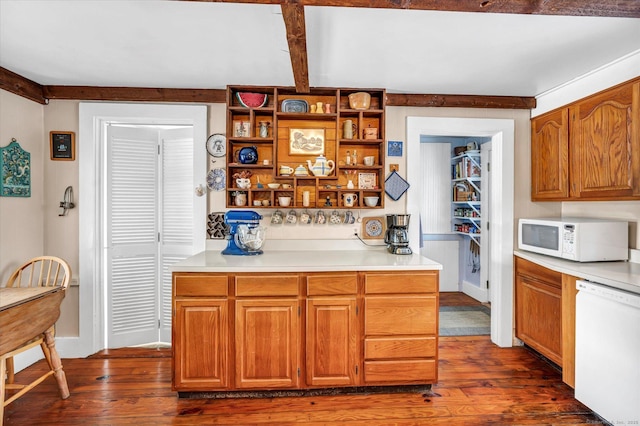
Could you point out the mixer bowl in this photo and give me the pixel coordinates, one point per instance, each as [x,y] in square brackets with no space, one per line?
[250,239]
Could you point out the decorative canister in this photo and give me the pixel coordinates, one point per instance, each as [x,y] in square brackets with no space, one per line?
[240,199]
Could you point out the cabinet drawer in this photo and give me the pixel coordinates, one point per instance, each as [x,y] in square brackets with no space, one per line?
[201,285]
[328,284]
[266,285]
[400,283]
[404,371]
[399,347]
[409,315]
[537,272]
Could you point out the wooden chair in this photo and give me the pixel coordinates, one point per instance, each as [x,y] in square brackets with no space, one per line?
[43,271]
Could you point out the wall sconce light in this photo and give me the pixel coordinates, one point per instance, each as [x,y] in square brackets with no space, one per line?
[67,202]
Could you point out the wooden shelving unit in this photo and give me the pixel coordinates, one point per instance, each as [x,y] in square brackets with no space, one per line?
[275,147]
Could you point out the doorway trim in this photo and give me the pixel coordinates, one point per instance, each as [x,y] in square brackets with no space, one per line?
[92,119]
[502,133]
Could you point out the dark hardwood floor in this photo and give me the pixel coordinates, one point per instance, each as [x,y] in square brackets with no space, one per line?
[479,384]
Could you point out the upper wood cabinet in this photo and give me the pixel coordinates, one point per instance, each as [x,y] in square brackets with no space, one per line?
[605,144]
[550,156]
[589,150]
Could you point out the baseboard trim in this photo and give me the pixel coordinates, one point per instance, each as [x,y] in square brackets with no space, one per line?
[480,294]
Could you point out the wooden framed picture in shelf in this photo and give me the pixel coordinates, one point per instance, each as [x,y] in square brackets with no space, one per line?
[367,180]
[63,145]
[306,141]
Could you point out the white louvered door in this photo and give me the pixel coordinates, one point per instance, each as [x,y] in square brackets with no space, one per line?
[178,213]
[150,219]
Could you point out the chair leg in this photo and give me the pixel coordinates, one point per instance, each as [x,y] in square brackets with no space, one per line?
[10,371]
[3,362]
[58,373]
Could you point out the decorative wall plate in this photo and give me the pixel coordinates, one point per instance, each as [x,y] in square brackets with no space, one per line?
[217,179]
[217,145]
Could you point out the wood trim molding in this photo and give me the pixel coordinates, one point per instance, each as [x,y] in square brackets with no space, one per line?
[461,101]
[26,88]
[138,94]
[602,8]
[21,86]
[293,15]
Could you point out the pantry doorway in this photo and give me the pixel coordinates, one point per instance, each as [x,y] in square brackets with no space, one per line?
[501,133]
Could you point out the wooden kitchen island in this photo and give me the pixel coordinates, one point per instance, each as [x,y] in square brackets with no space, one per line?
[303,321]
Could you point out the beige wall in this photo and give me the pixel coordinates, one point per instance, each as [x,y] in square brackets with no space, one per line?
[31,226]
[22,218]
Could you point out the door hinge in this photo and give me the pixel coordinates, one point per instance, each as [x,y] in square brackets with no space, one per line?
[488,167]
[487,283]
[488,225]
[158,149]
[158,322]
[298,371]
[356,370]
[299,310]
[158,237]
[357,310]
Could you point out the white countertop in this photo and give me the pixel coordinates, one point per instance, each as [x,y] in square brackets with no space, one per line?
[305,261]
[620,275]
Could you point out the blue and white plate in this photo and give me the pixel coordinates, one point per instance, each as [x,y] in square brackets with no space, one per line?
[217,179]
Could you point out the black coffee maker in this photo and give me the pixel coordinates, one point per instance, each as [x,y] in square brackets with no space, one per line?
[397,235]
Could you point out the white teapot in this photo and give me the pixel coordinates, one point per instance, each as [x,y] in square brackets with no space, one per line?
[322,166]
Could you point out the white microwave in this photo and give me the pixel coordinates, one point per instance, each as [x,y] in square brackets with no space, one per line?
[577,239]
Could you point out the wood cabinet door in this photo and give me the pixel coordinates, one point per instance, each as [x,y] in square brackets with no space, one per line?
[332,342]
[550,156]
[200,344]
[539,316]
[605,144]
[267,343]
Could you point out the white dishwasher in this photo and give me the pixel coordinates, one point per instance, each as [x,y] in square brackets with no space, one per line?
[608,352]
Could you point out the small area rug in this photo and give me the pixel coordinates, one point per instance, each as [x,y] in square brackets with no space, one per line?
[465,320]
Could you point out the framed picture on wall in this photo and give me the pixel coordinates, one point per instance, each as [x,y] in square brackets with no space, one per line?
[394,148]
[63,145]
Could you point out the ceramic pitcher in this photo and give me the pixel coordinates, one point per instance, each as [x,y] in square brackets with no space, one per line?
[349,199]
[348,129]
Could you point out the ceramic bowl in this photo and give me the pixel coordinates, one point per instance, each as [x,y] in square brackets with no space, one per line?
[284,201]
[359,100]
[371,201]
[273,185]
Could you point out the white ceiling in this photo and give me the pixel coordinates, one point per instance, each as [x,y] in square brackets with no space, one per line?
[202,45]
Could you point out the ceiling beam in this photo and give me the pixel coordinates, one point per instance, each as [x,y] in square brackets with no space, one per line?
[21,86]
[137,94]
[460,101]
[42,94]
[293,14]
[602,8]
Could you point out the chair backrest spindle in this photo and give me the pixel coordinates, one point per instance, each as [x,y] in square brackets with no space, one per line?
[43,271]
